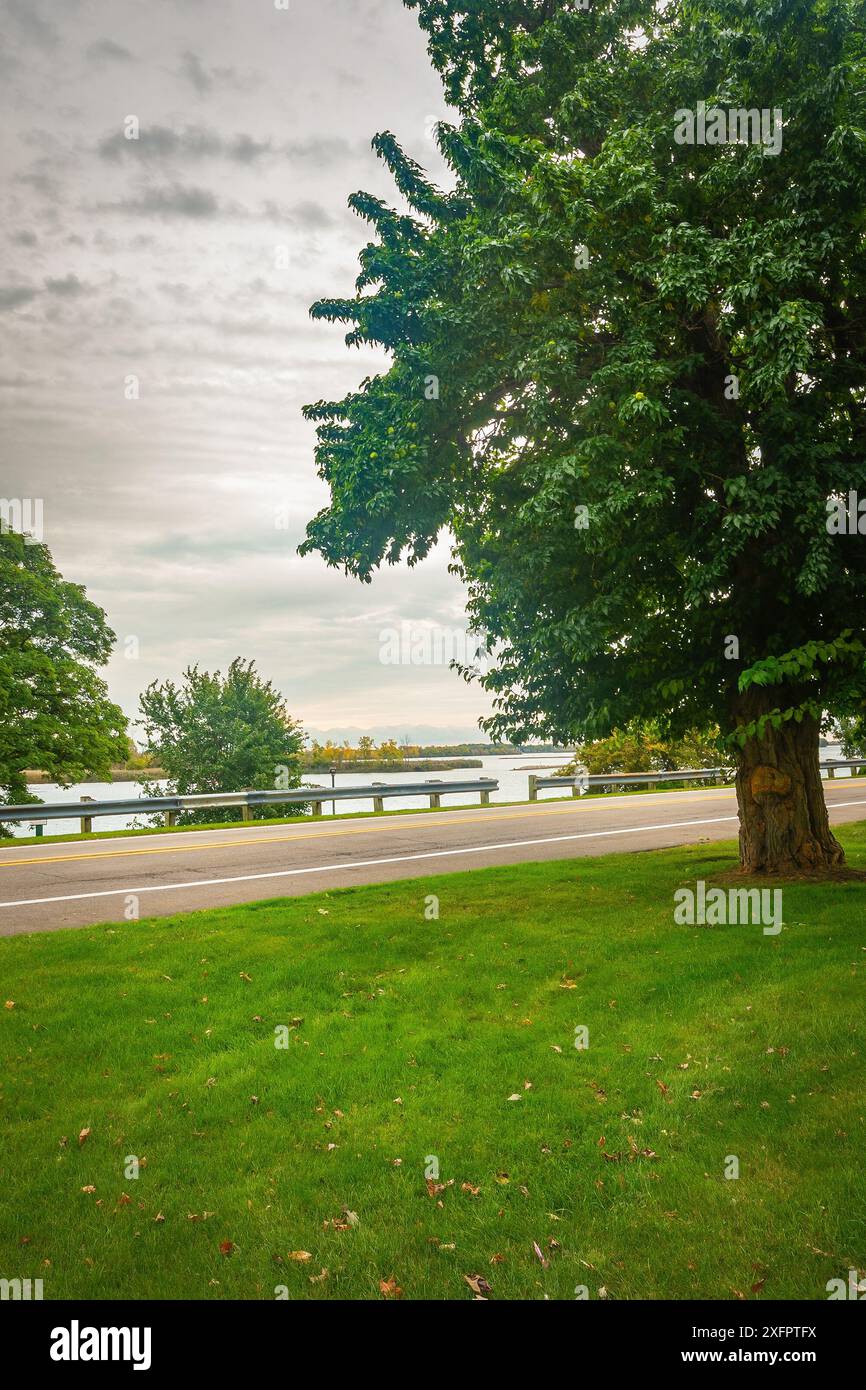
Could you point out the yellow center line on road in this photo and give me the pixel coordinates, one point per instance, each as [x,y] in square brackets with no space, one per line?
[479,817]
[450,818]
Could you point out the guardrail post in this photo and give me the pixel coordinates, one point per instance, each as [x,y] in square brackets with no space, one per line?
[87,821]
[378,801]
[485,798]
[435,797]
[533,787]
[317,808]
[831,773]
[171,817]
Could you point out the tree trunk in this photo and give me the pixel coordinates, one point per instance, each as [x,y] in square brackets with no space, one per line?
[784,826]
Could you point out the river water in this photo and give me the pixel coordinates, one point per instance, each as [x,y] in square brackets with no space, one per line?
[511,771]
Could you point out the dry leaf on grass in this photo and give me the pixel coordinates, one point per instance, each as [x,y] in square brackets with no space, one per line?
[478,1284]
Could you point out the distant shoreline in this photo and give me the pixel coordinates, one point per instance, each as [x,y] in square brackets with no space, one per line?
[157,774]
[118,774]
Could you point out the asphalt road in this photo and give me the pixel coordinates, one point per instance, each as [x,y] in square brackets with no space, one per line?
[71,885]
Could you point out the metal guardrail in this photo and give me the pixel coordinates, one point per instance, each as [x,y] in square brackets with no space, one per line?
[580,784]
[86,808]
[857,766]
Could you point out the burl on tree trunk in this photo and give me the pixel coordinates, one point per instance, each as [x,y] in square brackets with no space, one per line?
[784,826]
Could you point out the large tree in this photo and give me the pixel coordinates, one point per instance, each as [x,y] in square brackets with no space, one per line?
[55,714]
[628,373]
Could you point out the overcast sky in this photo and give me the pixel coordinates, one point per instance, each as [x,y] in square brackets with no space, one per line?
[188,259]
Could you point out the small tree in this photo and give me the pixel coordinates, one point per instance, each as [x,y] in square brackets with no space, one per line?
[852,736]
[55,714]
[215,734]
[642,748]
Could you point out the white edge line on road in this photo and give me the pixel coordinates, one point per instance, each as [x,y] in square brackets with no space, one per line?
[373,863]
[362,863]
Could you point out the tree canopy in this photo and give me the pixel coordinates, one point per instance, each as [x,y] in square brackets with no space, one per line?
[215,733]
[626,372]
[55,714]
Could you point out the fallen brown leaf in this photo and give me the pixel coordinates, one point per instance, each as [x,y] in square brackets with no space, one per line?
[478,1284]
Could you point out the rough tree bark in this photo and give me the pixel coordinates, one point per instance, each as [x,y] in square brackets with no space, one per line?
[784,826]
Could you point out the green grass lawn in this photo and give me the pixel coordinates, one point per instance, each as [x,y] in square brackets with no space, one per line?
[408,1038]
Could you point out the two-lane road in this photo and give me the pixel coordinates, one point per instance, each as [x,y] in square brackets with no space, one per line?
[69,885]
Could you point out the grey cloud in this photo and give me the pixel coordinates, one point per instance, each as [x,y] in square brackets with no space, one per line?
[42,183]
[307,214]
[107,49]
[67,287]
[178,291]
[30,24]
[14,296]
[321,149]
[205,79]
[8,62]
[180,200]
[175,201]
[192,142]
[25,238]
[245,149]
[311,215]
[195,72]
[159,142]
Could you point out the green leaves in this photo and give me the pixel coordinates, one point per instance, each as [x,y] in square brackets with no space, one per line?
[55,714]
[221,733]
[665,339]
